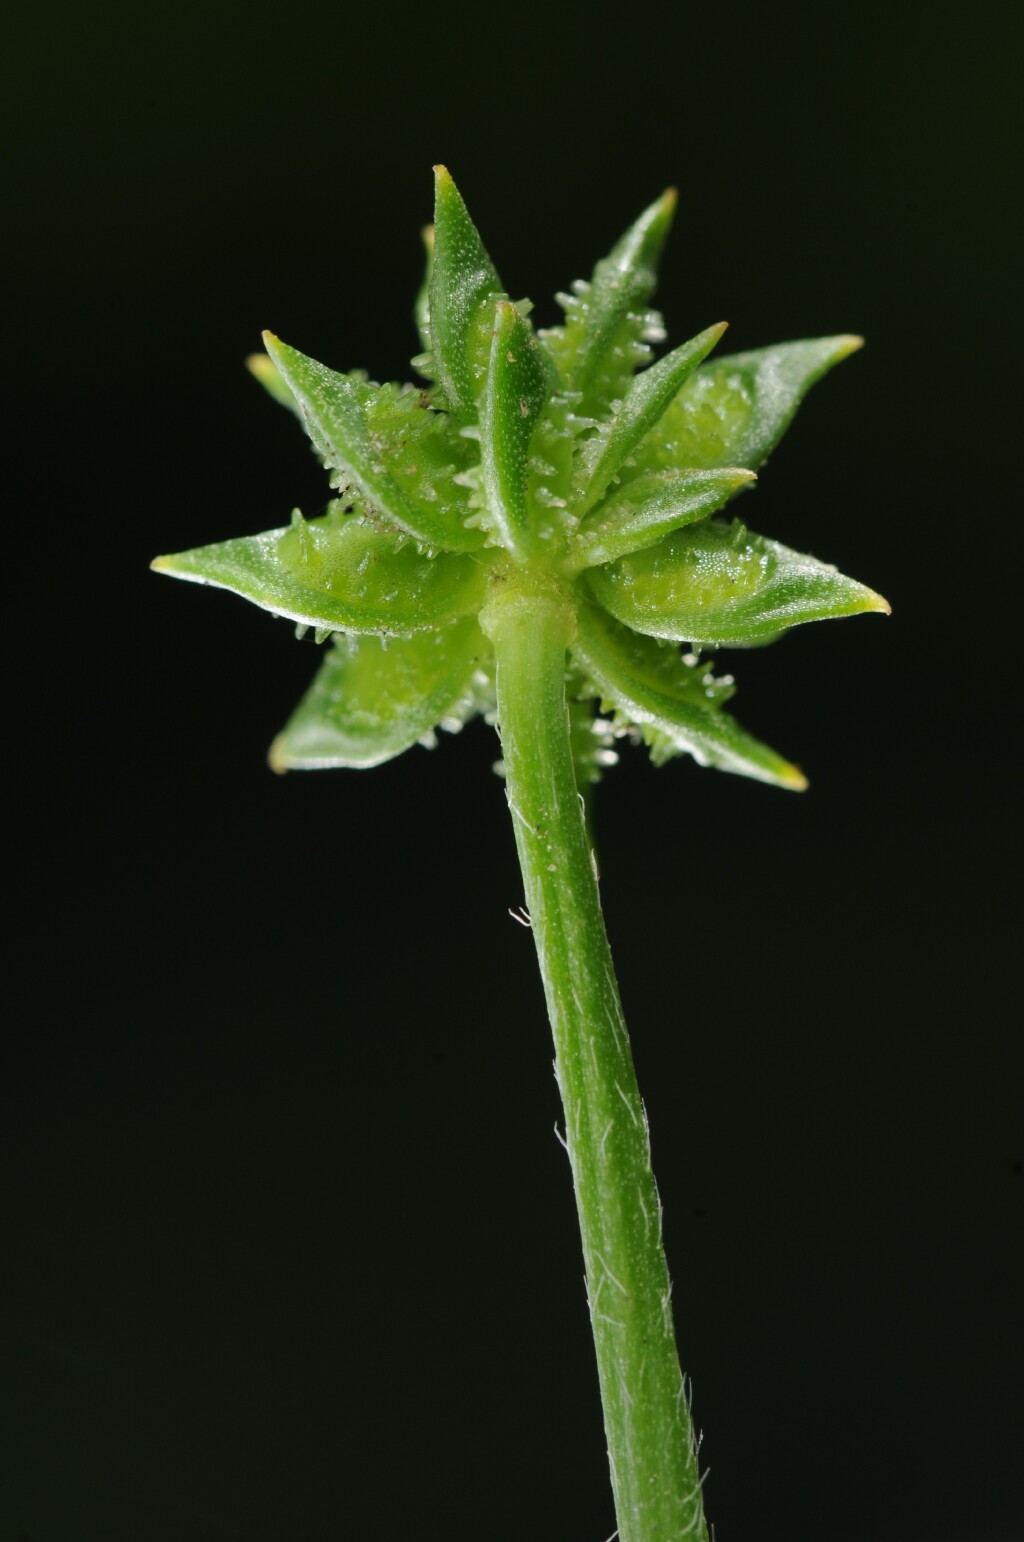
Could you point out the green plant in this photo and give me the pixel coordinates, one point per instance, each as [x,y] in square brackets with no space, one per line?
[530,537]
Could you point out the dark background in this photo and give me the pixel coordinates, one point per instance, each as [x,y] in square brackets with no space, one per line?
[289,1246]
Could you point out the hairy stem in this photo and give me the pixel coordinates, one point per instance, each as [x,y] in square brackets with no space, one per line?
[651,1449]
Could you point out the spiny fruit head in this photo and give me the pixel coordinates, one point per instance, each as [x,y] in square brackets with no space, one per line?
[563,459]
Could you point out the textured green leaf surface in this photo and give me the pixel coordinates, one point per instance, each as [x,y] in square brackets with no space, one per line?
[463,287]
[644,403]
[338,573]
[341,414]
[649,509]
[369,702]
[607,325]
[676,704]
[734,410]
[516,390]
[720,583]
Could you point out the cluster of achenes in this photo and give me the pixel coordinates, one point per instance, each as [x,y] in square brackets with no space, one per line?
[562,456]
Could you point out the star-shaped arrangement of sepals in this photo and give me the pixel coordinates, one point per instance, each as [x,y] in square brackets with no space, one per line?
[567,451]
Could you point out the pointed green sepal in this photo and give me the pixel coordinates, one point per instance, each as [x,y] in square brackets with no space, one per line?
[649,509]
[676,704]
[340,574]
[266,372]
[369,702]
[644,402]
[734,410]
[607,325]
[514,396]
[718,583]
[463,287]
[340,414]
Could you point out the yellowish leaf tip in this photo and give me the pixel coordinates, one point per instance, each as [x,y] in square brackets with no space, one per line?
[794,780]
[669,199]
[276,758]
[875,602]
[161,564]
[848,344]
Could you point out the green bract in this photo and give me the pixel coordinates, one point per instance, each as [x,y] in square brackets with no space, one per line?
[563,464]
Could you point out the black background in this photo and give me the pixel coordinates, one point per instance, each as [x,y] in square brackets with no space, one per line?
[289,1246]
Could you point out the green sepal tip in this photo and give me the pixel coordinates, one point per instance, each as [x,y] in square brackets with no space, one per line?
[337,573]
[645,401]
[607,328]
[339,412]
[676,704]
[647,510]
[462,288]
[371,702]
[734,410]
[718,583]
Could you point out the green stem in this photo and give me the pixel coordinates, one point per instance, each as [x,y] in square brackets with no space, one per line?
[651,1449]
